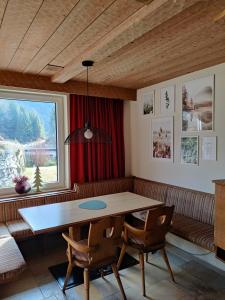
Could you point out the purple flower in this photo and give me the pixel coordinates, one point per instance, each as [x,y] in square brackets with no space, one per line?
[20,179]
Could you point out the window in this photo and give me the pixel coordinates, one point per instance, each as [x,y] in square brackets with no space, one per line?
[32,131]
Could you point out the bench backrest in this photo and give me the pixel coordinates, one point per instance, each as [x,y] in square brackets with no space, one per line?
[193,204]
[190,203]
[150,189]
[9,209]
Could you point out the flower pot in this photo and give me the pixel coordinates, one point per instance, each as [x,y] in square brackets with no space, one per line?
[22,187]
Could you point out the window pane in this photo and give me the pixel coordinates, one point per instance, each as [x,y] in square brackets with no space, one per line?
[27,139]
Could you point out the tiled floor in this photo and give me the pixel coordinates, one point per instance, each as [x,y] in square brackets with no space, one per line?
[194,280]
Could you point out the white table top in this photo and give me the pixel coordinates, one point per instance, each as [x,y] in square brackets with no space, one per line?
[50,217]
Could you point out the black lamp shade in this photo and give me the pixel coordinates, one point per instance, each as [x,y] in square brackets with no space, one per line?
[88,134]
[98,136]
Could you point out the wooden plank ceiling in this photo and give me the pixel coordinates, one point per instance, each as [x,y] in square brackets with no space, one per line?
[134,43]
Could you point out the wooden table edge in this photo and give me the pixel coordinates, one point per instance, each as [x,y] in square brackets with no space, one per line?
[57,228]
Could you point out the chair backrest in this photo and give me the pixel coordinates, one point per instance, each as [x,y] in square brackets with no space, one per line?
[105,236]
[157,224]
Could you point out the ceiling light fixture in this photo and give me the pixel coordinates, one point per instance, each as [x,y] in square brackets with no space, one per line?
[88,134]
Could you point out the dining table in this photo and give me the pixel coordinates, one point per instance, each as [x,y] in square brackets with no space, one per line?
[72,214]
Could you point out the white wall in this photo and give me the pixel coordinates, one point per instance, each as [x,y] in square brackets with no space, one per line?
[138,148]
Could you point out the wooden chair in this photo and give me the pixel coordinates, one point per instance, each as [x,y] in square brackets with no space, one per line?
[149,236]
[97,251]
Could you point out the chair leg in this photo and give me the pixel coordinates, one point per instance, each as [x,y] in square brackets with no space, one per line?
[68,273]
[116,273]
[165,257]
[122,253]
[86,283]
[142,265]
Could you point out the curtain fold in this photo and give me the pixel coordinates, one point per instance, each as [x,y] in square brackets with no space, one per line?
[92,162]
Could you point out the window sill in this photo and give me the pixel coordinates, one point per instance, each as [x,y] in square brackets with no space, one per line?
[32,195]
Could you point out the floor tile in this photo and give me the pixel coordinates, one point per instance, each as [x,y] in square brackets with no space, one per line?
[194,280]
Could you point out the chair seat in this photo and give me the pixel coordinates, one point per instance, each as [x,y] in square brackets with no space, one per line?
[4,232]
[81,256]
[11,260]
[82,259]
[19,229]
[138,244]
[194,231]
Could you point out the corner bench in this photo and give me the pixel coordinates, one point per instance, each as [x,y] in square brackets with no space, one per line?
[194,211]
[193,219]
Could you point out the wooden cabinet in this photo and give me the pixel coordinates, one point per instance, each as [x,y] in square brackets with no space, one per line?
[219,230]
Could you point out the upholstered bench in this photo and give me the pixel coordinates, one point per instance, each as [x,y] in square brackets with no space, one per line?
[194,231]
[12,262]
[194,215]
[194,211]
[4,232]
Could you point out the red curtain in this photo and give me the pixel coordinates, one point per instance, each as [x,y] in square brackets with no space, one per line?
[92,162]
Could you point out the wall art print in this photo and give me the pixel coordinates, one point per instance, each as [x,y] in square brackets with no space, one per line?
[197,104]
[189,150]
[148,103]
[167,100]
[209,151]
[162,138]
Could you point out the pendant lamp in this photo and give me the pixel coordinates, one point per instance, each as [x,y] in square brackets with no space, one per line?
[88,134]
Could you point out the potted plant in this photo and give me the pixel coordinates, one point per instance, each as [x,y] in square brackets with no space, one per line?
[22,185]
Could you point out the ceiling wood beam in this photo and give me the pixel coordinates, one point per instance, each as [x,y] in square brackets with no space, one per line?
[79,19]
[149,48]
[51,14]
[102,26]
[132,28]
[44,83]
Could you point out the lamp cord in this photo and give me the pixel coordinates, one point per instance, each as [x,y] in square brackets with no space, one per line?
[87,83]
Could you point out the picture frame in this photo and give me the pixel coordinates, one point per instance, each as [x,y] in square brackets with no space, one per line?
[147,107]
[162,138]
[198,104]
[209,148]
[167,100]
[189,150]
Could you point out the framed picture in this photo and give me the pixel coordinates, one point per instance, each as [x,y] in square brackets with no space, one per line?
[162,138]
[167,100]
[197,104]
[209,148]
[189,150]
[148,104]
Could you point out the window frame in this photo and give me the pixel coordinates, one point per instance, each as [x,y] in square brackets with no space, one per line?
[62,113]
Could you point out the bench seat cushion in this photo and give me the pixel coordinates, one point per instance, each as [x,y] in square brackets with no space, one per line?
[193,231]
[4,232]
[11,260]
[19,229]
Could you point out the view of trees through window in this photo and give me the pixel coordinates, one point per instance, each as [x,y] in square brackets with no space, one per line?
[27,139]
